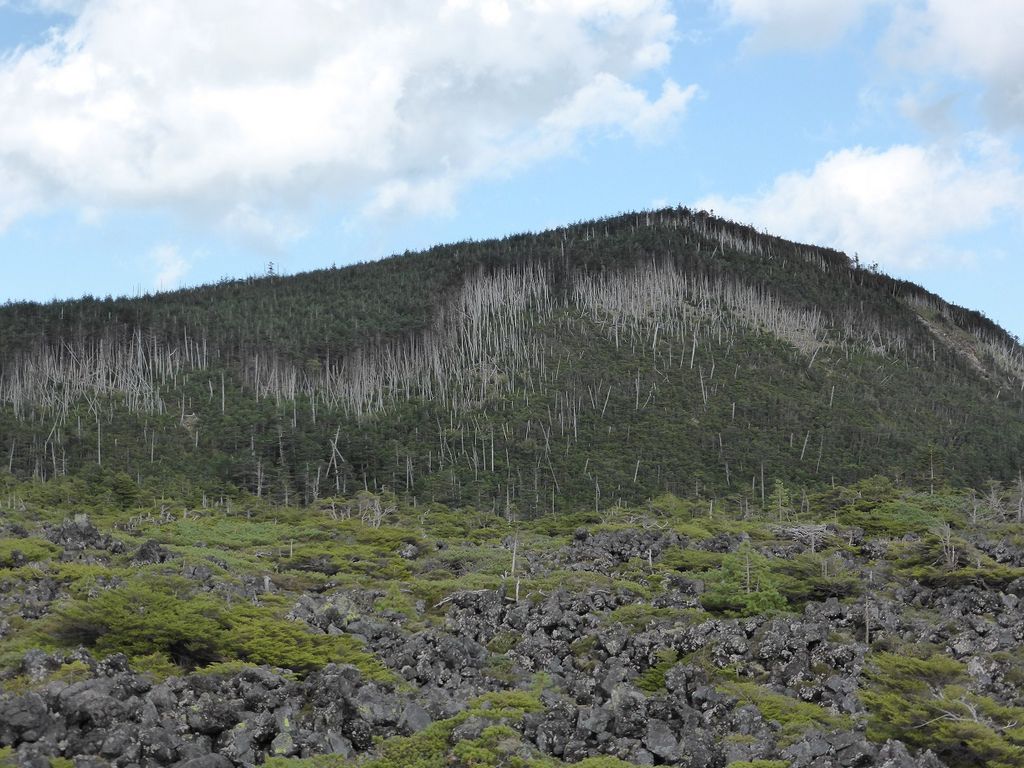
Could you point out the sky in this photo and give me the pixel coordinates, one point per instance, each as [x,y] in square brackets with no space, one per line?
[147,145]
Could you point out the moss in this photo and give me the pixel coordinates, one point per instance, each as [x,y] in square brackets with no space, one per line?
[503,669]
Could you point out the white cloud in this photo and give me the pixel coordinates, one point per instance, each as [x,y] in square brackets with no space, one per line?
[898,207]
[980,39]
[607,102]
[20,194]
[801,24]
[170,267]
[217,109]
[435,196]
[262,228]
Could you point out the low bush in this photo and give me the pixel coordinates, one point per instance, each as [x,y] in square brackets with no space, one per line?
[15,553]
[924,702]
[796,717]
[165,617]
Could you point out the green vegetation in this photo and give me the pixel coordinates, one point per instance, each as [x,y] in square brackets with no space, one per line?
[17,552]
[924,701]
[743,585]
[796,717]
[702,428]
[652,680]
[72,672]
[242,385]
[639,616]
[498,745]
[220,601]
[165,617]
[944,558]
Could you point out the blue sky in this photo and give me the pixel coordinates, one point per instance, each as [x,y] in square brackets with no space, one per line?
[149,145]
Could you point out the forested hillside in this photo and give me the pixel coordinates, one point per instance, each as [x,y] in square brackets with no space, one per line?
[605,361]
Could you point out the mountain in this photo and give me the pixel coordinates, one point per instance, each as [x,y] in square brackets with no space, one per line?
[652,490]
[601,363]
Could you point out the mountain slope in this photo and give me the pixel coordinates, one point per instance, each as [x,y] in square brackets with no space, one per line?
[599,363]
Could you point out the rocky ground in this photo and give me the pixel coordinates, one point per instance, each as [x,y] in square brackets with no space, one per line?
[629,641]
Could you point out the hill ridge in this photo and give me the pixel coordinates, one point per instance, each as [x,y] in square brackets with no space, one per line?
[657,303]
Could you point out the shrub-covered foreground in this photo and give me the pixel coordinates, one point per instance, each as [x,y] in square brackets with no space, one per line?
[867,625]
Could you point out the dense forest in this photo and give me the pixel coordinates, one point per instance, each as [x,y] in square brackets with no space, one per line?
[604,362]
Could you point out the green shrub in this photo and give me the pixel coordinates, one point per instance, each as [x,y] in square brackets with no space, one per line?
[894,518]
[652,680]
[164,617]
[691,560]
[396,600]
[923,702]
[931,563]
[157,665]
[147,616]
[802,579]
[744,585]
[506,704]
[796,717]
[17,552]
[258,636]
[490,750]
